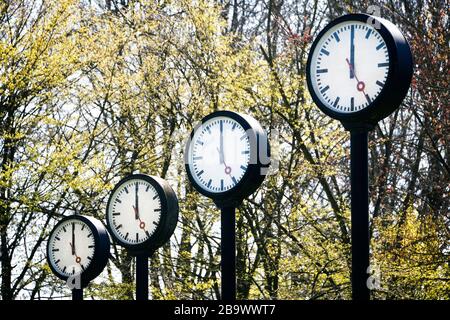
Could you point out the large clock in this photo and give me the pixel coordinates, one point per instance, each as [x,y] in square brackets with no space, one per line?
[359,69]
[142,213]
[226,157]
[78,245]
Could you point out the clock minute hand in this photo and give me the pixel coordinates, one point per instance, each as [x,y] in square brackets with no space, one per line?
[352,51]
[221,143]
[73,239]
[136,202]
[360,85]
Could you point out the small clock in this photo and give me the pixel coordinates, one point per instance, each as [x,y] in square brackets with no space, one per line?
[78,245]
[226,157]
[357,72]
[142,213]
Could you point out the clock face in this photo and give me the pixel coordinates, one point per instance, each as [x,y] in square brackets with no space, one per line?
[134,211]
[349,66]
[71,247]
[219,154]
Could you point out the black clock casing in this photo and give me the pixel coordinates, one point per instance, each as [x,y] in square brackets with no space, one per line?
[397,82]
[101,250]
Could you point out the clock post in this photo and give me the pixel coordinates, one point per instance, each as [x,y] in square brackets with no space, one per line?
[141,215]
[228,252]
[142,275]
[359,181]
[359,72]
[77,294]
[226,160]
[78,251]
[228,248]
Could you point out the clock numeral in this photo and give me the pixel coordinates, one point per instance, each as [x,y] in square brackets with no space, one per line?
[368,33]
[352,104]
[209,130]
[126,190]
[119,226]
[89,235]
[126,236]
[57,238]
[209,183]
[55,250]
[233,127]
[198,158]
[146,189]
[137,237]
[234,180]
[147,233]
[117,200]
[91,246]
[368,98]
[384,64]
[155,197]
[200,173]
[381,84]
[200,142]
[221,184]
[82,228]
[73,270]
[157,210]
[89,258]
[64,229]
[243,137]
[245,152]
[155,223]
[56,262]
[243,168]
[82,267]
[64,269]
[322,70]
[116,213]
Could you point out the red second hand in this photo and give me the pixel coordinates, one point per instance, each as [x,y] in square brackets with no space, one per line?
[227,168]
[77,258]
[360,85]
[141,223]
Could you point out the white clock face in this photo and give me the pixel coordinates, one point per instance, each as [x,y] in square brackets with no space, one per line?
[71,247]
[219,154]
[349,66]
[134,211]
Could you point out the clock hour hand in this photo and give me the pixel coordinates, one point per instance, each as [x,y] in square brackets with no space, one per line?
[360,85]
[227,168]
[221,156]
[136,202]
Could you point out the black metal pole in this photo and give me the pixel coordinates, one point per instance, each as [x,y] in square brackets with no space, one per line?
[228,252]
[141,277]
[77,294]
[360,214]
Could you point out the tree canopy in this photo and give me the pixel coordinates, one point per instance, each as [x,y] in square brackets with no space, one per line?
[91,91]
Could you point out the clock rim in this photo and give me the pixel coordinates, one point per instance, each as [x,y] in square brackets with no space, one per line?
[393,91]
[159,236]
[251,179]
[101,248]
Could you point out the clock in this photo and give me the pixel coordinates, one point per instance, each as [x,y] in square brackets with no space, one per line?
[359,72]
[227,156]
[142,213]
[78,245]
